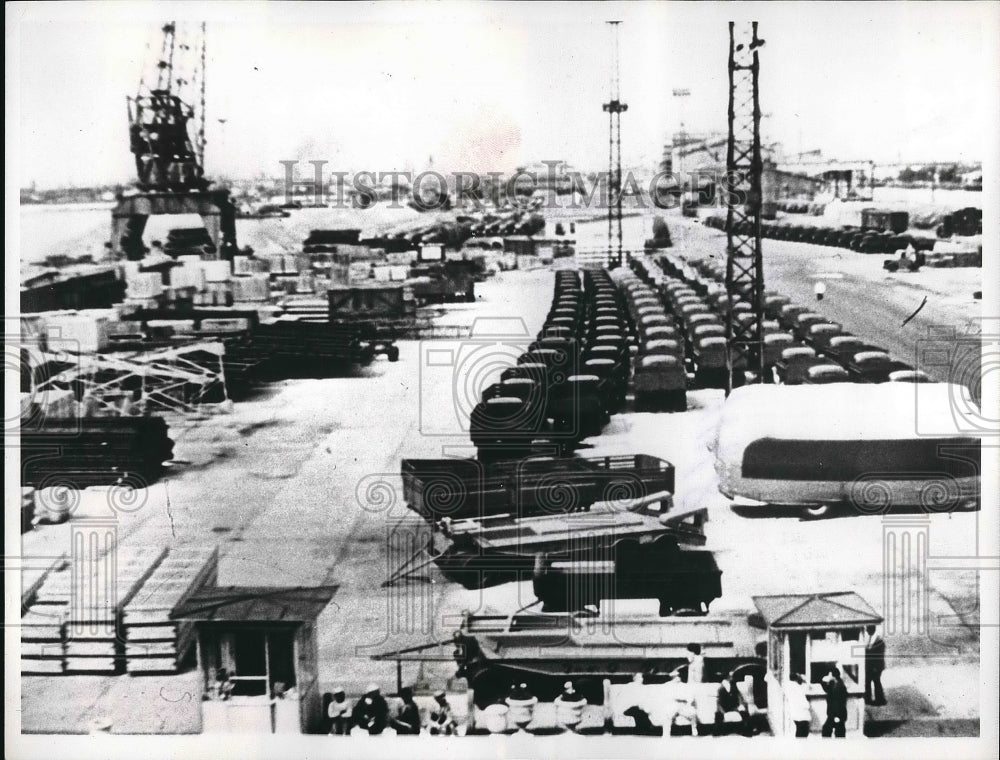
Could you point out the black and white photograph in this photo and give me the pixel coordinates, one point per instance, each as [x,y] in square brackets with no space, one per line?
[502,379]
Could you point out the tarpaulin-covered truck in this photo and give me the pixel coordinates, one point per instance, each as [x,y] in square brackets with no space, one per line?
[868,448]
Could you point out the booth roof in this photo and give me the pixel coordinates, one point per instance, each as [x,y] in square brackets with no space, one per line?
[815,610]
[257,603]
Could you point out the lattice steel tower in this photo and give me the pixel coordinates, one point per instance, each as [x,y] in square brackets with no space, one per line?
[614,108]
[744,261]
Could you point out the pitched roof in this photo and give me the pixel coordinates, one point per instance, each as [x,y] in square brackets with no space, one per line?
[833,608]
[255,603]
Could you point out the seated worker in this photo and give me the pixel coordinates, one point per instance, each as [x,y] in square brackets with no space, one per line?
[442,722]
[339,713]
[407,720]
[371,713]
[569,707]
[635,699]
[521,703]
[730,706]
[223,687]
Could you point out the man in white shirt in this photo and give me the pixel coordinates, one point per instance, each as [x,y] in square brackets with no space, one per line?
[798,705]
[339,713]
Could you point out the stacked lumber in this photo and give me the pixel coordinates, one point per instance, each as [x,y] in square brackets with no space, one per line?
[153,642]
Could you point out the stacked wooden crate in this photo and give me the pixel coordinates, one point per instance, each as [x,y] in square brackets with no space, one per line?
[153,642]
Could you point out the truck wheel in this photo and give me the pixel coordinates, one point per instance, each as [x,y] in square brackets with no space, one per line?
[393,353]
[815,511]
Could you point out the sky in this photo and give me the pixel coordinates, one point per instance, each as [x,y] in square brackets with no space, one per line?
[488,86]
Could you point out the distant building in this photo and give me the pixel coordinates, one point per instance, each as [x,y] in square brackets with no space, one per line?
[973,180]
[554,176]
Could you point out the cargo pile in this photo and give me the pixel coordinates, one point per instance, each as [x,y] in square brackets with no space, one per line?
[96,288]
[77,452]
[187,241]
[964,222]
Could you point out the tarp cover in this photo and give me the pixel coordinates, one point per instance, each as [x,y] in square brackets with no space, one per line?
[844,412]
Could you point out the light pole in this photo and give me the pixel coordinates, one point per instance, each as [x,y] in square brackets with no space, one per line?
[681,93]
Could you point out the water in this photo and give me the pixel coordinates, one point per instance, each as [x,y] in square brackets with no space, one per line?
[69,229]
[76,229]
[924,196]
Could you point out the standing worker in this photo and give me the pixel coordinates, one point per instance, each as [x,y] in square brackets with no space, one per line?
[688,708]
[836,704]
[696,664]
[874,665]
[798,705]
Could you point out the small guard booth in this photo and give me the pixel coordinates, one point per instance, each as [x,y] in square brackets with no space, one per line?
[809,634]
[258,656]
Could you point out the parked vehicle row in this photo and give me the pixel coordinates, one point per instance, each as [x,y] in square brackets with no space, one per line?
[801,346]
[659,373]
[861,239]
[570,380]
[703,331]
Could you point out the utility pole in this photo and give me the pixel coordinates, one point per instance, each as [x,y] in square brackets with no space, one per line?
[614,108]
[744,166]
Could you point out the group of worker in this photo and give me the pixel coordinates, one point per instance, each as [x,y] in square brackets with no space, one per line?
[370,714]
[835,691]
[520,703]
[682,711]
